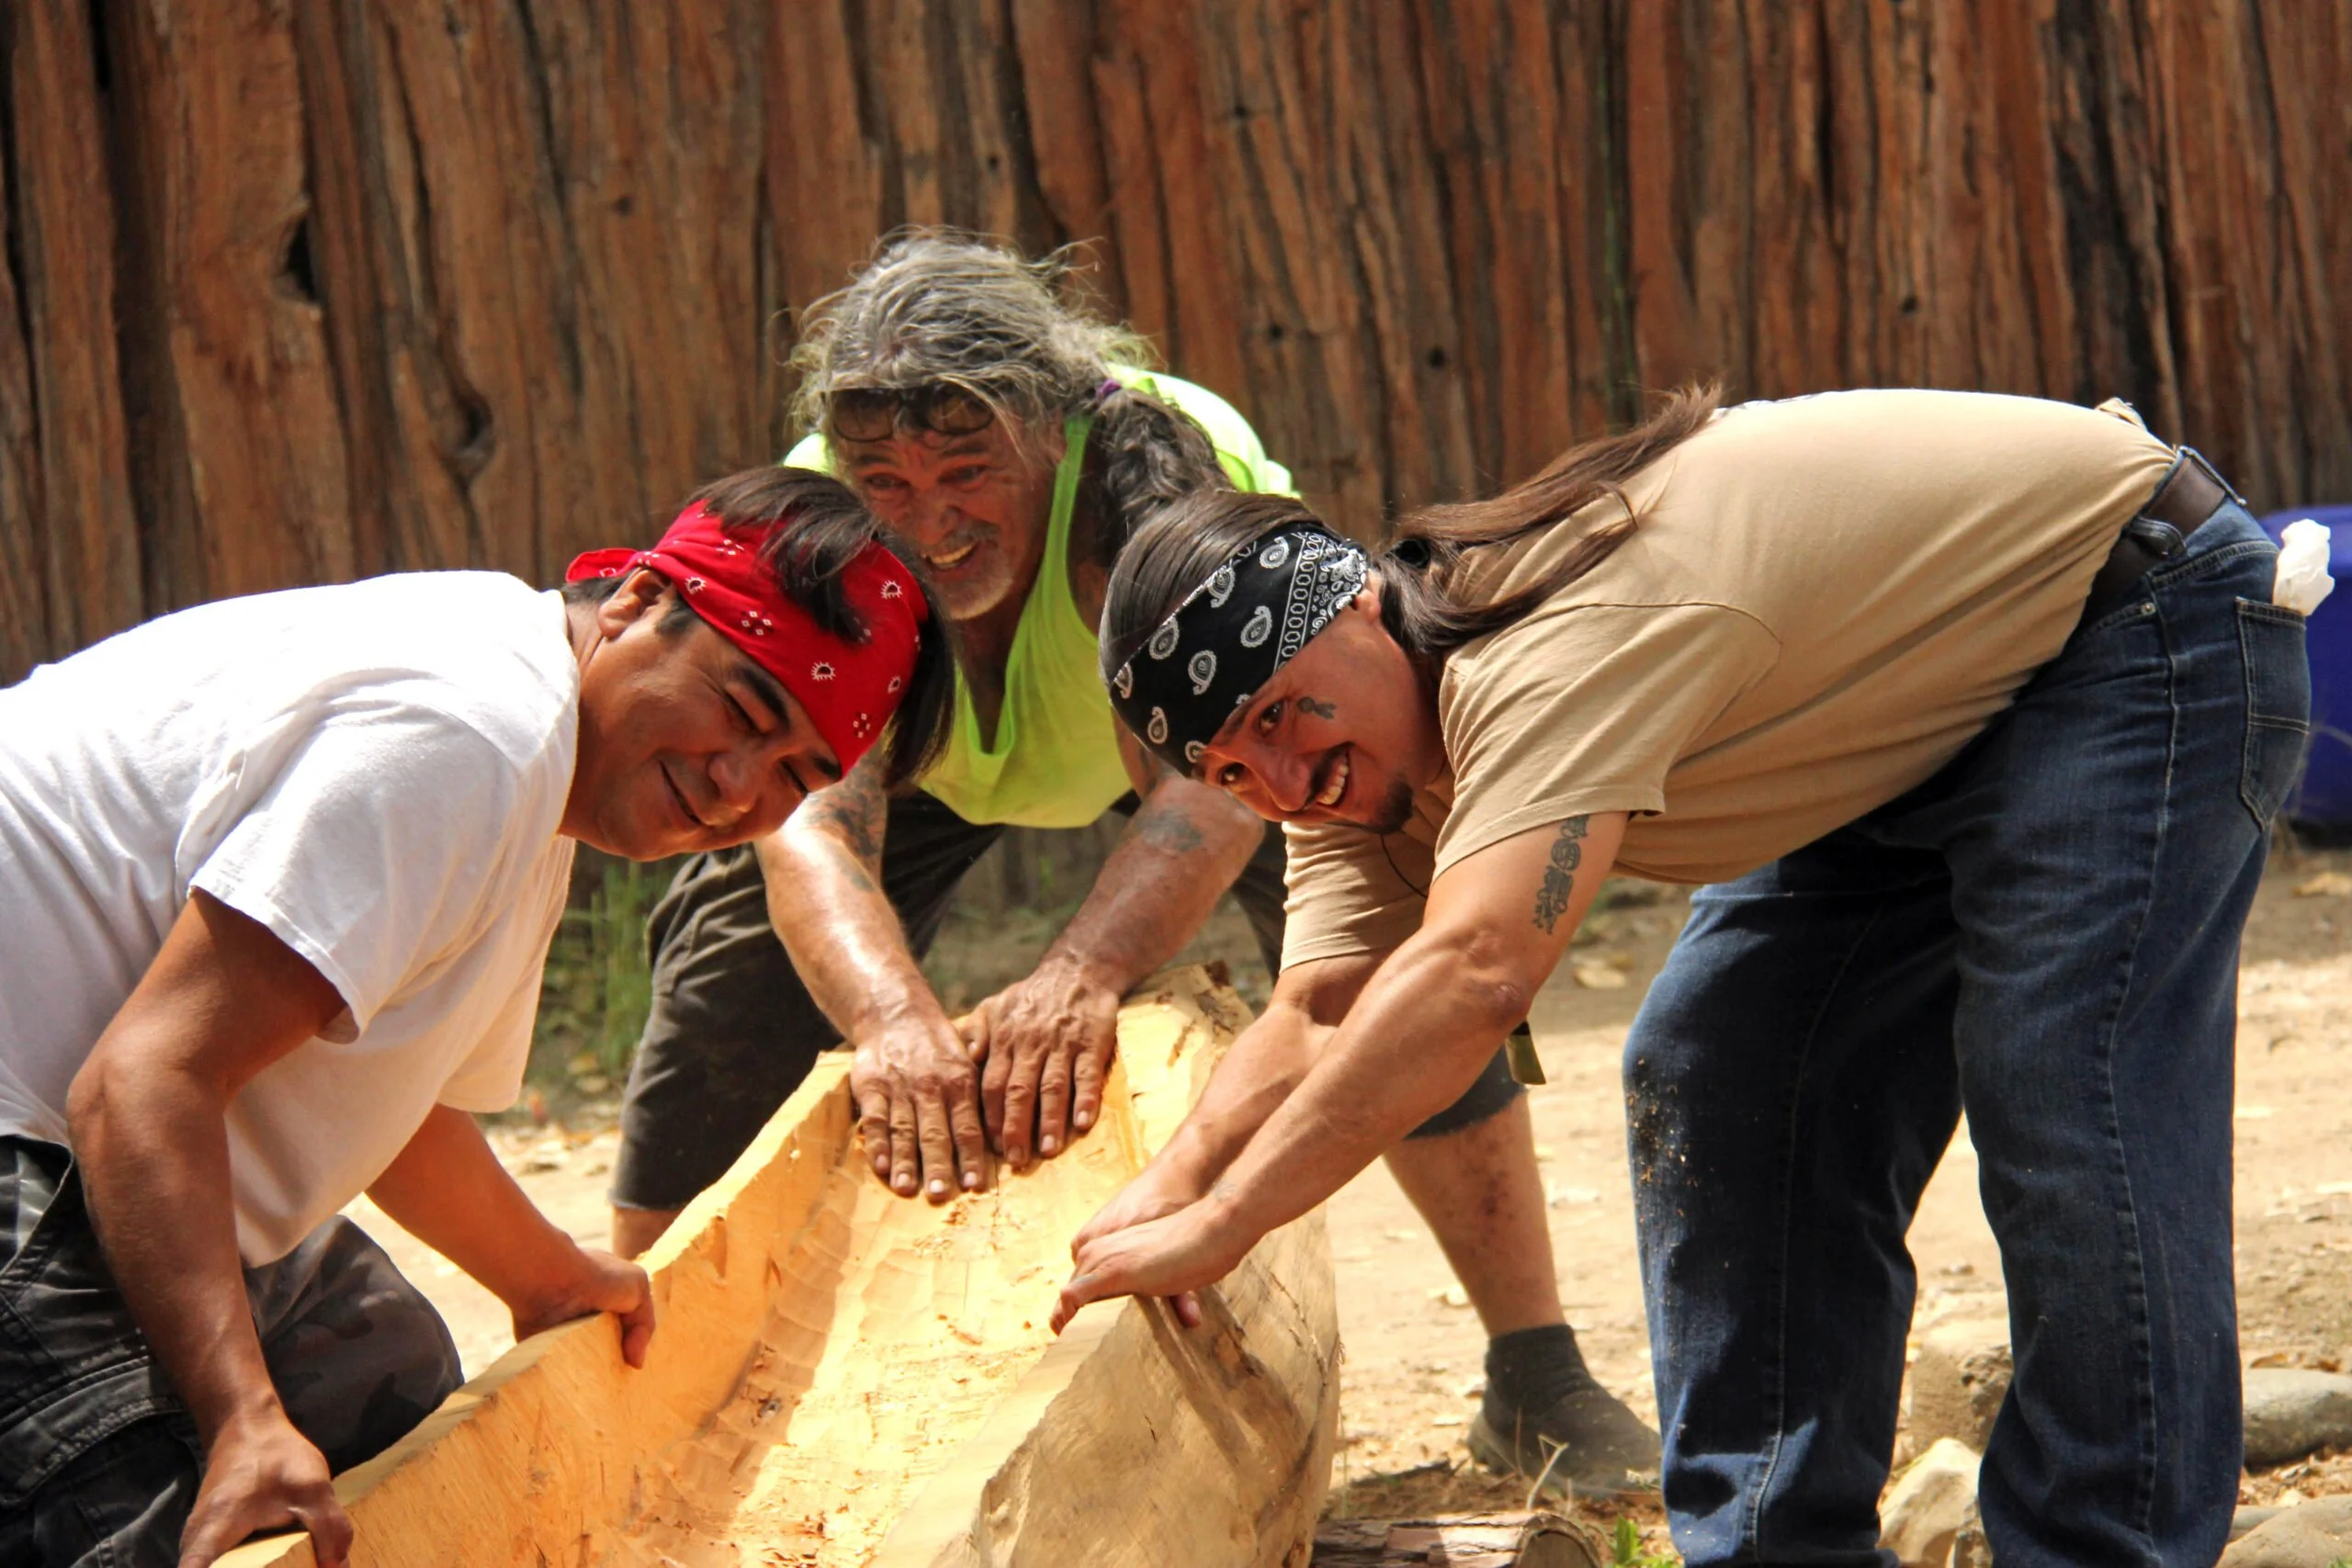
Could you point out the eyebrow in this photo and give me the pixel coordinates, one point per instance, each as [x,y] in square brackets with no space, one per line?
[768,689]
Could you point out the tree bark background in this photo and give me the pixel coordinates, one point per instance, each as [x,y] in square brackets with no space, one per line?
[299,290]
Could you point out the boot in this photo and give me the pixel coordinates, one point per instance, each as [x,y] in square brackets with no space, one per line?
[1545,1416]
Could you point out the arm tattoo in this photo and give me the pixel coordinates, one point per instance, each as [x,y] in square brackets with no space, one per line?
[853,809]
[1319,709]
[1560,876]
[1168,830]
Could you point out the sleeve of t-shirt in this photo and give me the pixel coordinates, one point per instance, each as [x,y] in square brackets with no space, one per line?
[1350,892]
[490,1078]
[372,850]
[1585,709]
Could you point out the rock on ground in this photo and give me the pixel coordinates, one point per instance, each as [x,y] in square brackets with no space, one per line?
[1925,1511]
[2312,1535]
[2290,1413]
[1958,1382]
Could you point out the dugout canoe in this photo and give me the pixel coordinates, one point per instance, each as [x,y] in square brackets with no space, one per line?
[845,1378]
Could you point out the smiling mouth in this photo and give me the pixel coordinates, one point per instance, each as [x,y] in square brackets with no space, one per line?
[948,560]
[1335,782]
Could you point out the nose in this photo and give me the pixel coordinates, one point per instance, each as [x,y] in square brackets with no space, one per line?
[737,776]
[926,516]
[1290,782]
[1276,785]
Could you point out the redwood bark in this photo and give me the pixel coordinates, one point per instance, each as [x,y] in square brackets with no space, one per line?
[292,293]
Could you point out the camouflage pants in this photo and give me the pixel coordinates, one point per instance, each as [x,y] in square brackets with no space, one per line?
[99,1461]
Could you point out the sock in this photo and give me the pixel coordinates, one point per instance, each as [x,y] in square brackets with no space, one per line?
[1533,1370]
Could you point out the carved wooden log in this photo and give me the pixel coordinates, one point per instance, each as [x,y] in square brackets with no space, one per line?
[841,1376]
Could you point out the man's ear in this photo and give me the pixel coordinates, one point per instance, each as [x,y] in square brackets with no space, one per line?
[642,591]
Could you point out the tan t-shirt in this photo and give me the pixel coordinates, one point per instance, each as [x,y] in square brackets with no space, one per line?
[1824,600]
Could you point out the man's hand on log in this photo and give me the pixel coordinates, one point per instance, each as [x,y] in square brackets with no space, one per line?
[1173,1255]
[1160,1191]
[260,1473]
[601,1282]
[917,1093]
[1048,1040]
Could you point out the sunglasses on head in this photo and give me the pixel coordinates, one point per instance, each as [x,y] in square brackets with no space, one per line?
[876,413]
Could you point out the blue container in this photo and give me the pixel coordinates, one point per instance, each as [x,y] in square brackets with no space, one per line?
[2323,798]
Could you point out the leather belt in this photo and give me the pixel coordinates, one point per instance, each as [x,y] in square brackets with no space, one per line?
[2188,499]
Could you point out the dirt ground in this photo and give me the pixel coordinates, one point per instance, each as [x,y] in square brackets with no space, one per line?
[1413,1369]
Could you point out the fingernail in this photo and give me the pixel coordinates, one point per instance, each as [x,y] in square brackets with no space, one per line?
[971,1181]
[938,1187]
[1045,1145]
[1018,1158]
[1084,1119]
[905,1184]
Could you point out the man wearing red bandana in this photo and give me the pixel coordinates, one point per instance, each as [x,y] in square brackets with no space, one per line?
[278,875]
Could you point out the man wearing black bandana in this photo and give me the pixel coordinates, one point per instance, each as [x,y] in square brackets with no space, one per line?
[1969,715]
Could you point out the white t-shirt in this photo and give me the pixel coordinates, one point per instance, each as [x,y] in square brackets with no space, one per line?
[375,772]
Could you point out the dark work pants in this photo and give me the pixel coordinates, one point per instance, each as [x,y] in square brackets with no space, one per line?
[733,1030]
[2044,934]
[98,1458]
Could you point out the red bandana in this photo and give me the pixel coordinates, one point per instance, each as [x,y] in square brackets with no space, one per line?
[850,691]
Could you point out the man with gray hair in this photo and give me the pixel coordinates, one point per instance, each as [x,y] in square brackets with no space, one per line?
[1014,442]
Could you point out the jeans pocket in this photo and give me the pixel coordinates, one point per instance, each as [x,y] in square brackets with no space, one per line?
[2277,705]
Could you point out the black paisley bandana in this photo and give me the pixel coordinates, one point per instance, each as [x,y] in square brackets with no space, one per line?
[1231,634]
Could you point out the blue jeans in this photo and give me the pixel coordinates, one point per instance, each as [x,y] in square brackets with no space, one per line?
[2045,935]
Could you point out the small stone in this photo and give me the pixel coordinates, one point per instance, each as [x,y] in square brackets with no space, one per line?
[1972,1550]
[2327,885]
[1925,1509]
[2251,1517]
[1958,1380]
[2290,1412]
[1599,977]
[2312,1536]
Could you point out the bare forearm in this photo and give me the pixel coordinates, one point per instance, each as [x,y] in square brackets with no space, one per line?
[449,1192]
[1264,1065]
[1416,1037]
[153,1152]
[1182,849]
[1422,1022]
[826,905]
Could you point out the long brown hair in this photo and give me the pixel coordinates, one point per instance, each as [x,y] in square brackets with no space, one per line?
[1422,605]
[1425,612]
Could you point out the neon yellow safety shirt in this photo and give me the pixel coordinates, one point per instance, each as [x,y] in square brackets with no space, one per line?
[1055,761]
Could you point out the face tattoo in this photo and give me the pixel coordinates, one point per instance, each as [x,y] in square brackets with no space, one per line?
[1231,634]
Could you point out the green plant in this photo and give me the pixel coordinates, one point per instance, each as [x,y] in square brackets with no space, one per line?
[599,981]
[1626,1550]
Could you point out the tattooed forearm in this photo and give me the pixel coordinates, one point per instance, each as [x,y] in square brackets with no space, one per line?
[1319,709]
[1560,876]
[1166,829]
[853,811]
